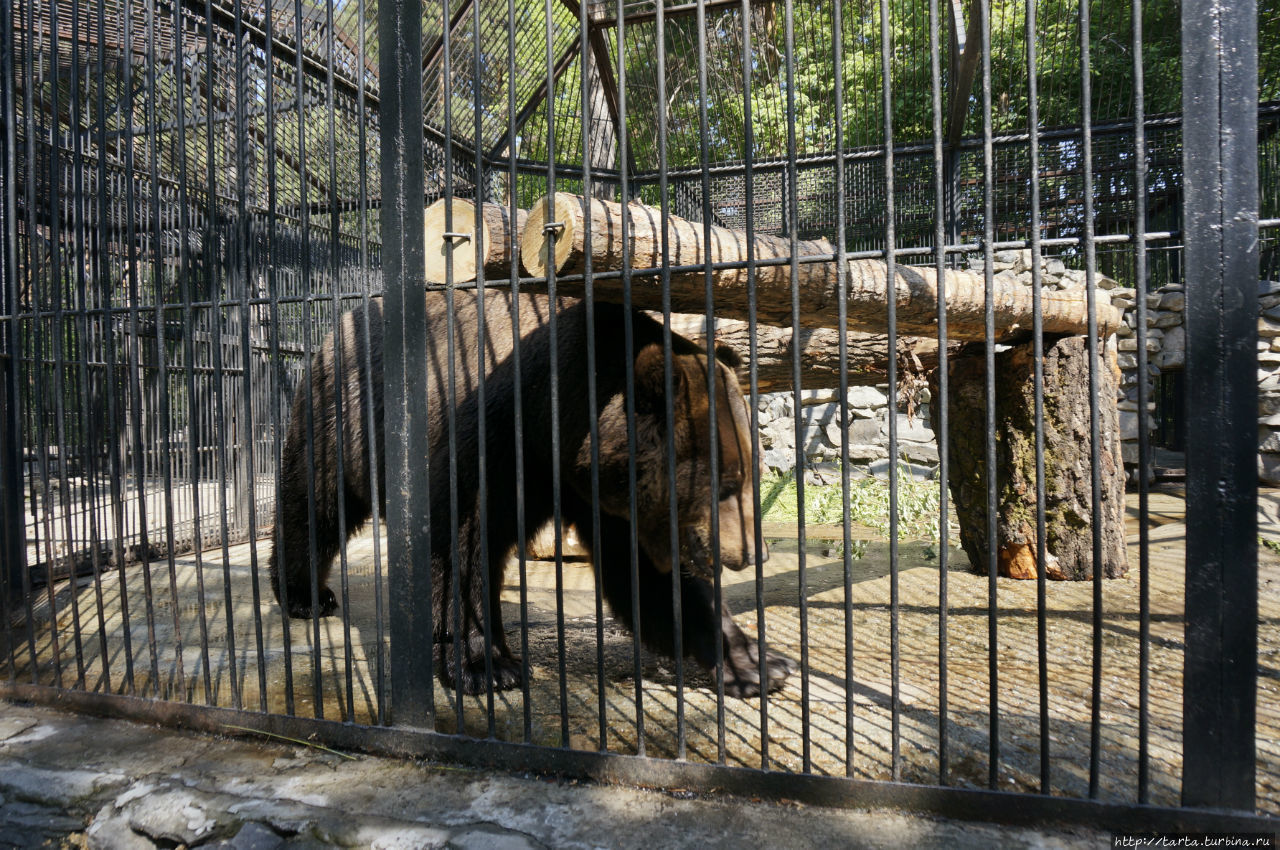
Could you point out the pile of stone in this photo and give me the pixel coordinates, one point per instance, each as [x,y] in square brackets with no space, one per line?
[868,434]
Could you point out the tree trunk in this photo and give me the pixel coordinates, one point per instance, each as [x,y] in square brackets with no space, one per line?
[1068,490]
[494,239]
[915,288]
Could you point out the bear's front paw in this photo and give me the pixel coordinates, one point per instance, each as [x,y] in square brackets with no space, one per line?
[508,671]
[300,608]
[742,671]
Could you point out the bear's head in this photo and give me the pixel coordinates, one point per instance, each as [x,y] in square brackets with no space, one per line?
[708,511]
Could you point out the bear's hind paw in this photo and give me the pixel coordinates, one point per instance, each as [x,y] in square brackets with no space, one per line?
[508,673]
[300,609]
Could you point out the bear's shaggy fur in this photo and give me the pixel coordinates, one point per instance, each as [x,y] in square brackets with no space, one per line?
[702,621]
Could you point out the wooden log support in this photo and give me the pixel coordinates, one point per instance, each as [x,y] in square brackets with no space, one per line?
[867,362]
[555,238]
[494,237]
[1068,488]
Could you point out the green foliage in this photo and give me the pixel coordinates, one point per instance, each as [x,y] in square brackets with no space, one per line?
[918,503]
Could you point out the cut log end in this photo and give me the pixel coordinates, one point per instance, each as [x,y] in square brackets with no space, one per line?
[542,248]
[438,247]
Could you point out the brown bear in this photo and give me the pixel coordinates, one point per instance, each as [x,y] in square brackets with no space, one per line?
[298,586]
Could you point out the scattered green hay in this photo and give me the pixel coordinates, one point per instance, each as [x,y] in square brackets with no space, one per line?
[918,503]
[1273,545]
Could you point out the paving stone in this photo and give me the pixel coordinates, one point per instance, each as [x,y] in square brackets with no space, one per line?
[485,838]
[10,726]
[111,831]
[252,836]
[180,815]
[55,787]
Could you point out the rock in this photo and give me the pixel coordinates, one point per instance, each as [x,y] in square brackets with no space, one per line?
[779,459]
[919,452]
[1053,266]
[910,430]
[880,469]
[111,831]
[60,788]
[1169,320]
[1269,468]
[1128,425]
[1268,328]
[862,452]
[1268,287]
[1268,403]
[491,838]
[1173,351]
[1172,301]
[1131,344]
[1127,361]
[178,815]
[866,397]
[1268,440]
[820,415]
[822,396]
[252,836]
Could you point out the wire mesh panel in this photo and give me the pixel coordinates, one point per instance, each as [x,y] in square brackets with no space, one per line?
[791,386]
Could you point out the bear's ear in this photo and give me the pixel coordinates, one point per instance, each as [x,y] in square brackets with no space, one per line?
[650,376]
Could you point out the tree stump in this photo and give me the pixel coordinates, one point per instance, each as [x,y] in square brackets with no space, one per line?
[1068,488]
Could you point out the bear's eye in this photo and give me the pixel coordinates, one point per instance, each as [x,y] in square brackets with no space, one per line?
[729,488]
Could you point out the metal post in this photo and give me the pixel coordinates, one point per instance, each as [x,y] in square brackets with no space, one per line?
[10,428]
[405,428]
[1220,161]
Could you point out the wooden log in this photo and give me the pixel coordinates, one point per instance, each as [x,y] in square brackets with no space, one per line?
[1068,488]
[494,238]
[915,289]
[867,359]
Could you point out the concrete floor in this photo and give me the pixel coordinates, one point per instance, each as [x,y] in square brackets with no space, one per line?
[194,630]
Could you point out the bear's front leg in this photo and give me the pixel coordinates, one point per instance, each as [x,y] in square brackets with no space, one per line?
[742,662]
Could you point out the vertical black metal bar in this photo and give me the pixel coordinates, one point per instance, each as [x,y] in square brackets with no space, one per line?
[372,436]
[157,230]
[278,407]
[628,327]
[593,426]
[12,544]
[1144,441]
[668,366]
[748,176]
[554,386]
[890,236]
[89,423]
[939,407]
[308,299]
[106,286]
[405,417]
[40,494]
[339,363]
[189,320]
[988,259]
[1220,163]
[133,261]
[482,497]
[793,233]
[1037,332]
[842,284]
[459,624]
[704,161]
[241,275]
[1091,342]
[60,333]
[517,375]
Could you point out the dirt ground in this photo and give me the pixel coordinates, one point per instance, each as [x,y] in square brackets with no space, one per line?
[835,716]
